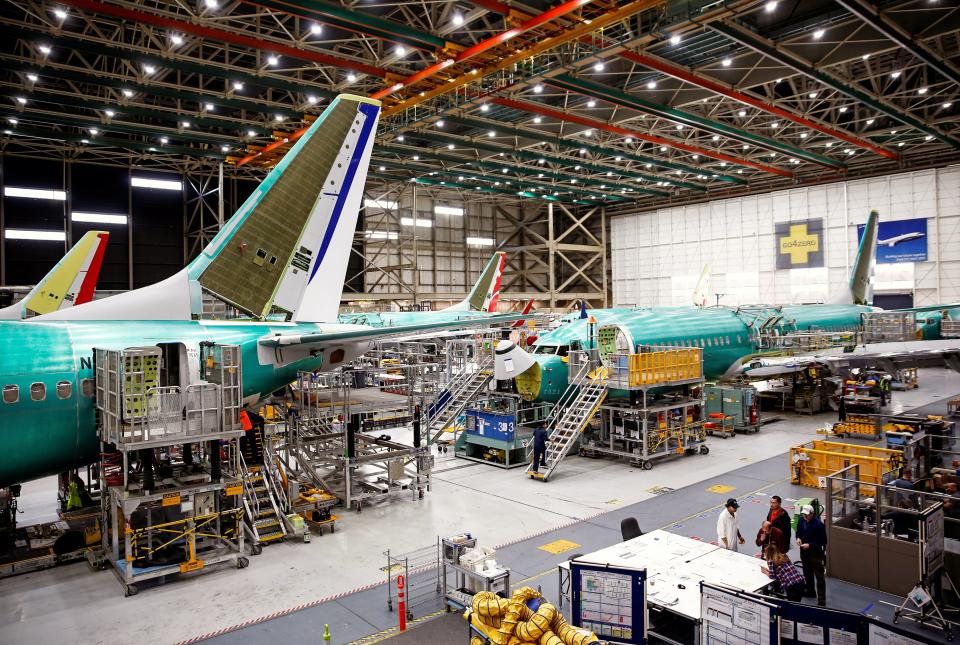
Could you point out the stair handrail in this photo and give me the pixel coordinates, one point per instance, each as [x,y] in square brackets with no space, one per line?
[248,492]
[461,383]
[568,396]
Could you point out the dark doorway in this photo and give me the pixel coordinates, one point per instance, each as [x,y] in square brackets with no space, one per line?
[893,300]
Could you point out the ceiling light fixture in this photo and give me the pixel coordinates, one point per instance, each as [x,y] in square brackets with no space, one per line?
[726,62]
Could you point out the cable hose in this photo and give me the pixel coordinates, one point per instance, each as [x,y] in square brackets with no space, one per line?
[511,622]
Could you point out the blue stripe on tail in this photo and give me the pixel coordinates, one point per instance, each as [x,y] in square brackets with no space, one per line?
[370,111]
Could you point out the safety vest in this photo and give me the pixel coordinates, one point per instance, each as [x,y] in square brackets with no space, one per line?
[245,423]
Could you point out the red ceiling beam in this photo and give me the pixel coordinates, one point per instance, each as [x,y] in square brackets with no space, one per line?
[222,35]
[485,45]
[536,108]
[719,88]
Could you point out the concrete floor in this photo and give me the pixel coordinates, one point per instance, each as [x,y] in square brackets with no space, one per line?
[498,506]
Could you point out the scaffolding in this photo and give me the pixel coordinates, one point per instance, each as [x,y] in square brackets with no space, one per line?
[889,326]
[330,448]
[171,487]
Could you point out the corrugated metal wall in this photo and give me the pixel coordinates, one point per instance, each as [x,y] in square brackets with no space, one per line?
[657,256]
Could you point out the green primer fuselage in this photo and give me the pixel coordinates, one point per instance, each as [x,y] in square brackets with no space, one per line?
[394,318]
[52,435]
[723,334]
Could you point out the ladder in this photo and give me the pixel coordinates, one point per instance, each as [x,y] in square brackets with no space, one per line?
[265,522]
[459,393]
[584,398]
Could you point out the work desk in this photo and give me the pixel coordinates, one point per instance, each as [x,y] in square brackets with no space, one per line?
[675,567]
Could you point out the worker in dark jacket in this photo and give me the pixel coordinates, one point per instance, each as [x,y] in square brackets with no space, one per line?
[779,517]
[770,535]
[540,438]
[812,540]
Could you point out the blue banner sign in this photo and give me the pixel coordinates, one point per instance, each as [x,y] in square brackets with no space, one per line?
[902,240]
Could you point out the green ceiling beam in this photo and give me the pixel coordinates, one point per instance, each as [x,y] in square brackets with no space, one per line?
[79,44]
[126,128]
[534,156]
[105,142]
[350,20]
[42,95]
[483,189]
[497,168]
[147,88]
[618,97]
[761,45]
[611,152]
[521,182]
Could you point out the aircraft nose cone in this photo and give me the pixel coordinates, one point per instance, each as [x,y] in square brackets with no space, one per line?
[510,361]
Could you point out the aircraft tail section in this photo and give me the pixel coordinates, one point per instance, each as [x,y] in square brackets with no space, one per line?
[860,287]
[71,282]
[288,244]
[527,308]
[486,292]
[702,289]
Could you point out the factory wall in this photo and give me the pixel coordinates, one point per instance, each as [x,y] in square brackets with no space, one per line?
[657,256]
[409,245]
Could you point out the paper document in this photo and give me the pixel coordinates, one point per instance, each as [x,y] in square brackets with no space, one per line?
[840,637]
[807,633]
[786,629]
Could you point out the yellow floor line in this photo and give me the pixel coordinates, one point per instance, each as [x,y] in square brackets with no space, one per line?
[393,631]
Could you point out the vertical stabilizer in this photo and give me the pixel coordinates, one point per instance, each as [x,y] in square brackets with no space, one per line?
[292,242]
[486,292]
[288,244]
[71,282]
[860,287]
[703,288]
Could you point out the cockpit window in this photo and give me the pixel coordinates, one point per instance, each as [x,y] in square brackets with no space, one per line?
[546,349]
[562,350]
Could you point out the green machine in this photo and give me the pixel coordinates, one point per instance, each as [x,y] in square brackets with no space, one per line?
[737,402]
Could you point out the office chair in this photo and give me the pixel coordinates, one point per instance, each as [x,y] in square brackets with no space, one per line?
[630,528]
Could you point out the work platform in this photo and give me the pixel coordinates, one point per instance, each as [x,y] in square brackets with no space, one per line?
[171,483]
[655,414]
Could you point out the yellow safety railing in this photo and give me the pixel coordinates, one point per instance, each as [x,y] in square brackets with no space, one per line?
[813,461]
[664,366]
[859,425]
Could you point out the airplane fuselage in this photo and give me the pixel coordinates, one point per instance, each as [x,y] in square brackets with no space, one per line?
[58,431]
[725,335]
[393,318]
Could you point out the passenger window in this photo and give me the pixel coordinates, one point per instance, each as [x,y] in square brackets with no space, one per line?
[38,391]
[11,393]
[86,387]
[64,389]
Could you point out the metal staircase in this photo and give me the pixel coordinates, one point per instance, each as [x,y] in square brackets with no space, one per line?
[265,520]
[459,393]
[578,405]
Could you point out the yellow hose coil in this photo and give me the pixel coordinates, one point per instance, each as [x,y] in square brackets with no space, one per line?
[511,622]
